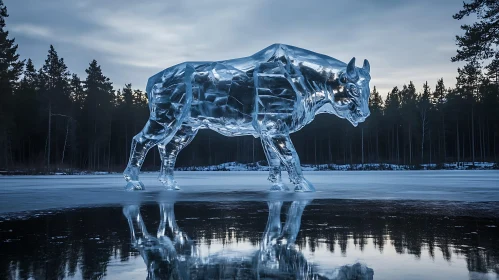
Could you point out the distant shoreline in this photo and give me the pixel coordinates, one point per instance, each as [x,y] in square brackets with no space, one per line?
[234,166]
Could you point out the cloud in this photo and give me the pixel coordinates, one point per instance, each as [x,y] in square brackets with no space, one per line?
[32,30]
[403,41]
[151,36]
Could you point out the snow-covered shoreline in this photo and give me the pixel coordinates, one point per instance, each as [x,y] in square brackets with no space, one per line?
[261,166]
[234,166]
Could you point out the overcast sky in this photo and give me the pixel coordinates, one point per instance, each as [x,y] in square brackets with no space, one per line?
[132,40]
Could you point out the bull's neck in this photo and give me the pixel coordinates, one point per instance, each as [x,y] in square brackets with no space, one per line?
[315,100]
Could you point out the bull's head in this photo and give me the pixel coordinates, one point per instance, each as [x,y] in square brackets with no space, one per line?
[351,101]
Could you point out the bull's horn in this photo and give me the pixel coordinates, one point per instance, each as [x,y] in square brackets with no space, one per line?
[351,71]
[366,66]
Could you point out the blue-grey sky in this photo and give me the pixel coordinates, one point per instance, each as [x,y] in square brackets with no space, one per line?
[132,40]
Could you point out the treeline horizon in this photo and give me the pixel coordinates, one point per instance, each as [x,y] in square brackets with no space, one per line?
[53,119]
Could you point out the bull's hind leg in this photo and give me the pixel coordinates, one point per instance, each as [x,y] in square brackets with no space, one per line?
[281,144]
[152,134]
[169,151]
[274,169]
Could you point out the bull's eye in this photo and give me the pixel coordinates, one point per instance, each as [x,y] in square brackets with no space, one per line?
[343,79]
[353,90]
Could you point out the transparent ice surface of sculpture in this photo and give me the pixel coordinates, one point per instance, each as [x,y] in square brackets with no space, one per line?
[268,95]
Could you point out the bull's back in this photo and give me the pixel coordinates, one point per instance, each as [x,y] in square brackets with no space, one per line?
[222,94]
[243,64]
[248,64]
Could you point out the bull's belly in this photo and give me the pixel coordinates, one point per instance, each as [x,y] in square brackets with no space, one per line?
[231,130]
[225,120]
[229,121]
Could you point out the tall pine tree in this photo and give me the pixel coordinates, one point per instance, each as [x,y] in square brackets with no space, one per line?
[376,108]
[10,69]
[26,115]
[54,92]
[97,113]
[481,39]
[424,105]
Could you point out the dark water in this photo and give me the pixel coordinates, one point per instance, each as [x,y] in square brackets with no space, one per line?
[320,239]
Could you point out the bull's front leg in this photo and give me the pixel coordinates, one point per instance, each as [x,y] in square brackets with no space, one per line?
[281,144]
[274,169]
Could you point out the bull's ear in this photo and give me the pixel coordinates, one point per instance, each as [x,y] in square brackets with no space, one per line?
[366,66]
[351,71]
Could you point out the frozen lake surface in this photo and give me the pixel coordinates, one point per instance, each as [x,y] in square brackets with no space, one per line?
[27,193]
[358,225]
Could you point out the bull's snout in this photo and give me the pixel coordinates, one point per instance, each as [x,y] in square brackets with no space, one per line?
[361,115]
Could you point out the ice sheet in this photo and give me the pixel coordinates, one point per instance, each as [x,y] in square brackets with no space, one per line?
[28,193]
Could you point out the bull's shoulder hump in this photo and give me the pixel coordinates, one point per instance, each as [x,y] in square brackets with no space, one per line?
[157,78]
[304,55]
[297,55]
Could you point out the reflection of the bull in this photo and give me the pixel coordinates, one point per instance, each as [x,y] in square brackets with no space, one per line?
[172,255]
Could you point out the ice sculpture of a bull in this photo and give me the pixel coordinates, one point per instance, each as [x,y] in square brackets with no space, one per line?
[269,95]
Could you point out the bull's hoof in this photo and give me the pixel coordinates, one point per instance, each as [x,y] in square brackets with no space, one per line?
[169,183]
[173,187]
[304,186]
[135,186]
[279,187]
[131,174]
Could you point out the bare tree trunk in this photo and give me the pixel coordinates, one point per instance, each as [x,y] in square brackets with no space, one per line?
[483,141]
[209,150]
[410,145]
[9,153]
[480,138]
[65,141]
[457,141]
[469,139]
[30,160]
[330,153]
[487,155]
[253,148]
[392,156]
[48,135]
[398,146]
[429,134]
[394,150]
[473,135]
[127,147]
[495,145]
[351,154]
[377,145]
[362,131]
[443,133]
[109,145]
[315,148]
[423,132]
[463,155]
[237,150]
[344,153]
